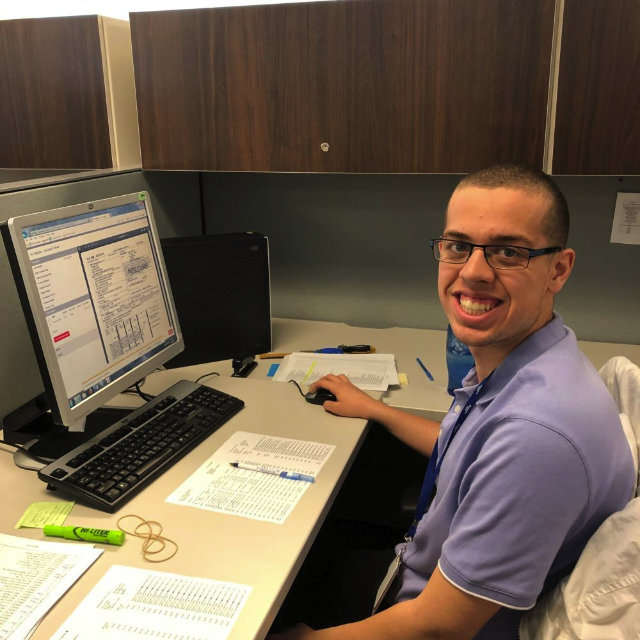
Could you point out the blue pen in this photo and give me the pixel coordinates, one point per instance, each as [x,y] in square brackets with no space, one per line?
[425,369]
[251,466]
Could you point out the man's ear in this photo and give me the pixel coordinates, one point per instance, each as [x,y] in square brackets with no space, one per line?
[561,267]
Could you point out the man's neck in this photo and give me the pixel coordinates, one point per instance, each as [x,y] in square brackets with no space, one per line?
[485,365]
[489,357]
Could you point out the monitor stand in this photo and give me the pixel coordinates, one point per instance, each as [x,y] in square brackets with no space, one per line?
[33,425]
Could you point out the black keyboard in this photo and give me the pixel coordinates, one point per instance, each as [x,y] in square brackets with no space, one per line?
[109,469]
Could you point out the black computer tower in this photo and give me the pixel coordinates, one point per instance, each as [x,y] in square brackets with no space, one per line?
[221,287]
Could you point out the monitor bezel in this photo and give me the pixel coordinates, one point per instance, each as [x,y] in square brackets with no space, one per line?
[74,417]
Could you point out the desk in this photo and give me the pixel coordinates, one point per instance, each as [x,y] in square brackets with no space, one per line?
[264,555]
[228,548]
[420,396]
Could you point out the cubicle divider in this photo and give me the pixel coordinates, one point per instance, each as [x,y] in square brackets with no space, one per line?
[354,247]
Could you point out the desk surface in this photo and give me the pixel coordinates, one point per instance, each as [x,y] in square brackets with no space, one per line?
[263,555]
[421,395]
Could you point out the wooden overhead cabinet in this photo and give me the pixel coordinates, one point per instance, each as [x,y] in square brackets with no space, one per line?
[597,125]
[347,86]
[68,96]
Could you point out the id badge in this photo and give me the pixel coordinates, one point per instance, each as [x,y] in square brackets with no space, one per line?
[389,580]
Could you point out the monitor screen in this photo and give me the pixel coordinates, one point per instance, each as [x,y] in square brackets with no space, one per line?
[95,293]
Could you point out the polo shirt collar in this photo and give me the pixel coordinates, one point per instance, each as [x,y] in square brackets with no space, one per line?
[529,349]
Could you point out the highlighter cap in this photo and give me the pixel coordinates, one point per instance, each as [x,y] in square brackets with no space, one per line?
[115,536]
[53,530]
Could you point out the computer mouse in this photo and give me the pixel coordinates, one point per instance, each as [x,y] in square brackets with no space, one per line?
[319,396]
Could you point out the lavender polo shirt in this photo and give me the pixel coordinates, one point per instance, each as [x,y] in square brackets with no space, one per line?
[536,467]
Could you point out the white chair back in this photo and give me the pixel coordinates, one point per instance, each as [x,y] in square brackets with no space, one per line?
[622,378]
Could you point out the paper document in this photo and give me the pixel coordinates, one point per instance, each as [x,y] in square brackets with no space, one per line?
[626,219]
[217,486]
[34,575]
[131,603]
[368,371]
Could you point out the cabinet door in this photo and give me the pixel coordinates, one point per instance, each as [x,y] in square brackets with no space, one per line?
[53,109]
[241,89]
[447,86]
[597,128]
[351,85]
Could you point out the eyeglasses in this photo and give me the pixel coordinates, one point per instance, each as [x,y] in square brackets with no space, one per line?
[498,256]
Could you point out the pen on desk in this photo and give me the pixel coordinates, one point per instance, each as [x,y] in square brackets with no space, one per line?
[424,369]
[250,466]
[108,536]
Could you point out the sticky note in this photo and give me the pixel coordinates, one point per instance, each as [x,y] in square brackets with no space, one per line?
[38,514]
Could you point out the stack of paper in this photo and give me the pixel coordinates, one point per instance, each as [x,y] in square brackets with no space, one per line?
[368,371]
[136,603]
[34,575]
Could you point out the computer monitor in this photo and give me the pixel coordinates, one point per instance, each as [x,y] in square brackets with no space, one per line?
[96,298]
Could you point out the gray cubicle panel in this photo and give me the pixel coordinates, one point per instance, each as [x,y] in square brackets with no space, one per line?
[344,248]
[354,247]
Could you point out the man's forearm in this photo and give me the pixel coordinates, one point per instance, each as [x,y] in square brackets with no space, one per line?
[440,612]
[416,432]
[399,622]
[396,623]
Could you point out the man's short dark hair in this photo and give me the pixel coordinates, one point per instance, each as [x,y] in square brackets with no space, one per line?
[511,175]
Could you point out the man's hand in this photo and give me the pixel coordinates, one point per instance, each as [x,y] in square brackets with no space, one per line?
[417,432]
[351,402]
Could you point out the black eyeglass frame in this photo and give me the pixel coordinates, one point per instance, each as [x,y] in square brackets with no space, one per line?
[533,253]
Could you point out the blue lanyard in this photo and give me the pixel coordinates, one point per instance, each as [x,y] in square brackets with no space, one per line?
[433,468]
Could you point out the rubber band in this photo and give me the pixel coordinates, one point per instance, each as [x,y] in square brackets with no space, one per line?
[153,541]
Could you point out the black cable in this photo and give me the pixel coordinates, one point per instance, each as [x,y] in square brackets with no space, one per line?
[145,396]
[206,375]
[297,385]
[135,389]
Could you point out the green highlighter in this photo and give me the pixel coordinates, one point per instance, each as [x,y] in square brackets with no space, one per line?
[106,536]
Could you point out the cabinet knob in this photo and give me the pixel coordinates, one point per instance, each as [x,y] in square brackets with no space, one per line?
[324,146]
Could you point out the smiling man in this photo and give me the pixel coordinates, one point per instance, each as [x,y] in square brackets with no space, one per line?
[531,457]
[498,294]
